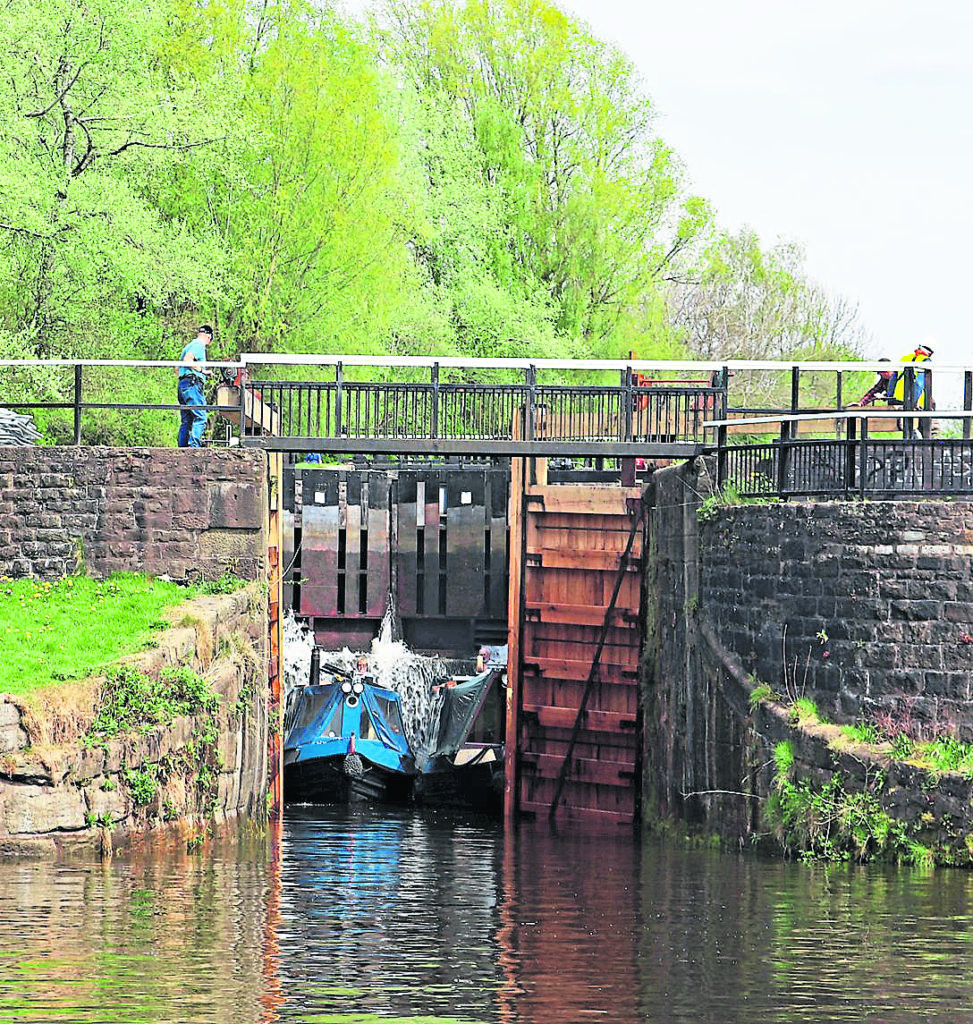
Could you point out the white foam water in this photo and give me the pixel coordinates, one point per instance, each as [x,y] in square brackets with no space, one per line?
[295,653]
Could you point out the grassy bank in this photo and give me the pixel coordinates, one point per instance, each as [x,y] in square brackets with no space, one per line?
[71,628]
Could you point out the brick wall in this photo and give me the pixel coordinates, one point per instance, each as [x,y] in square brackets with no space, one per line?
[153,510]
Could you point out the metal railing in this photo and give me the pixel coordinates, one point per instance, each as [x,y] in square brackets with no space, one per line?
[798,439]
[857,465]
[629,413]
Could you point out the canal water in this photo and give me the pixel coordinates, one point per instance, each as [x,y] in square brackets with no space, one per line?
[364,915]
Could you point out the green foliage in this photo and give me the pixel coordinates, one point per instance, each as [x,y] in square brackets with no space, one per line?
[829,822]
[86,109]
[862,732]
[142,783]
[748,302]
[590,202]
[804,711]
[130,700]
[226,584]
[760,692]
[943,754]
[784,757]
[713,504]
[468,178]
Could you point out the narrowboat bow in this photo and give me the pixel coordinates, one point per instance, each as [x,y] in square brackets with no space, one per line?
[344,741]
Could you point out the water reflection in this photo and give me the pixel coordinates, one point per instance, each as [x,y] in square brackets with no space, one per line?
[358,914]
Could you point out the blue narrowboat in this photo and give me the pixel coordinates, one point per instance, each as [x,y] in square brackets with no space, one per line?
[345,741]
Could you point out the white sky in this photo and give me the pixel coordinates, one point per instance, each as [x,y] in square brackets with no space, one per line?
[844,125]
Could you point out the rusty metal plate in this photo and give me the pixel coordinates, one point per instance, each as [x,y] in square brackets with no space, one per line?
[319,561]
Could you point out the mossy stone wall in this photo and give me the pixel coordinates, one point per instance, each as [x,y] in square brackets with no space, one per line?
[60,794]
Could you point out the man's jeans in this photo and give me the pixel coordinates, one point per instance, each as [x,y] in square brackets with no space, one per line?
[190,392]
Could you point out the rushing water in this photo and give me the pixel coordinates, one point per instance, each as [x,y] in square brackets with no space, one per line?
[365,915]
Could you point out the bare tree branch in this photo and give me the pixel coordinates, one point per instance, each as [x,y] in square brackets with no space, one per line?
[180,147]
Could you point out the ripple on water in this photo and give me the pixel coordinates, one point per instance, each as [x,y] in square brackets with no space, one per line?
[371,914]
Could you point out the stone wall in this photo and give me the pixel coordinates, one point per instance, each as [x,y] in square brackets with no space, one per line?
[59,793]
[185,513]
[863,607]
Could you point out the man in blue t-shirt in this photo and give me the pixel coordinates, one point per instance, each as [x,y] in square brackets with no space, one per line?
[190,389]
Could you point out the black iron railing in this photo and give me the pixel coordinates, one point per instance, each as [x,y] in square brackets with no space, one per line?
[855,466]
[345,409]
[404,407]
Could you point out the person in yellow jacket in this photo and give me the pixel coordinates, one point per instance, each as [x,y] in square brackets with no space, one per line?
[921,389]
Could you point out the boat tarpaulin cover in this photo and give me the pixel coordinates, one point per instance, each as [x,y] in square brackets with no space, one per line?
[461,705]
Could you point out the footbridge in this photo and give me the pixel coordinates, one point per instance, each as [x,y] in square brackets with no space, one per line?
[457,407]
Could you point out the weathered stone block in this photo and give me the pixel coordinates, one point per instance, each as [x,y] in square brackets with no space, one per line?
[946,684]
[914,609]
[37,809]
[237,506]
[12,736]
[112,801]
[226,545]
[959,611]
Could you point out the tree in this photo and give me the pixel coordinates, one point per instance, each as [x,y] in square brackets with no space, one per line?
[86,105]
[305,198]
[744,302]
[591,196]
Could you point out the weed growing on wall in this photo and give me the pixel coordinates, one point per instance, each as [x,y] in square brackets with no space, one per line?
[130,700]
[226,584]
[757,488]
[830,822]
[142,783]
[862,732]
[710,507]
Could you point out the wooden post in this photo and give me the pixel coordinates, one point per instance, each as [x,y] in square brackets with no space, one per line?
[275,630]
[242,405]
[515,515]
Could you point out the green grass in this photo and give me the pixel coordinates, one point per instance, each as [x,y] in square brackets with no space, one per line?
[74,627]
[862,732]
[940,755]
